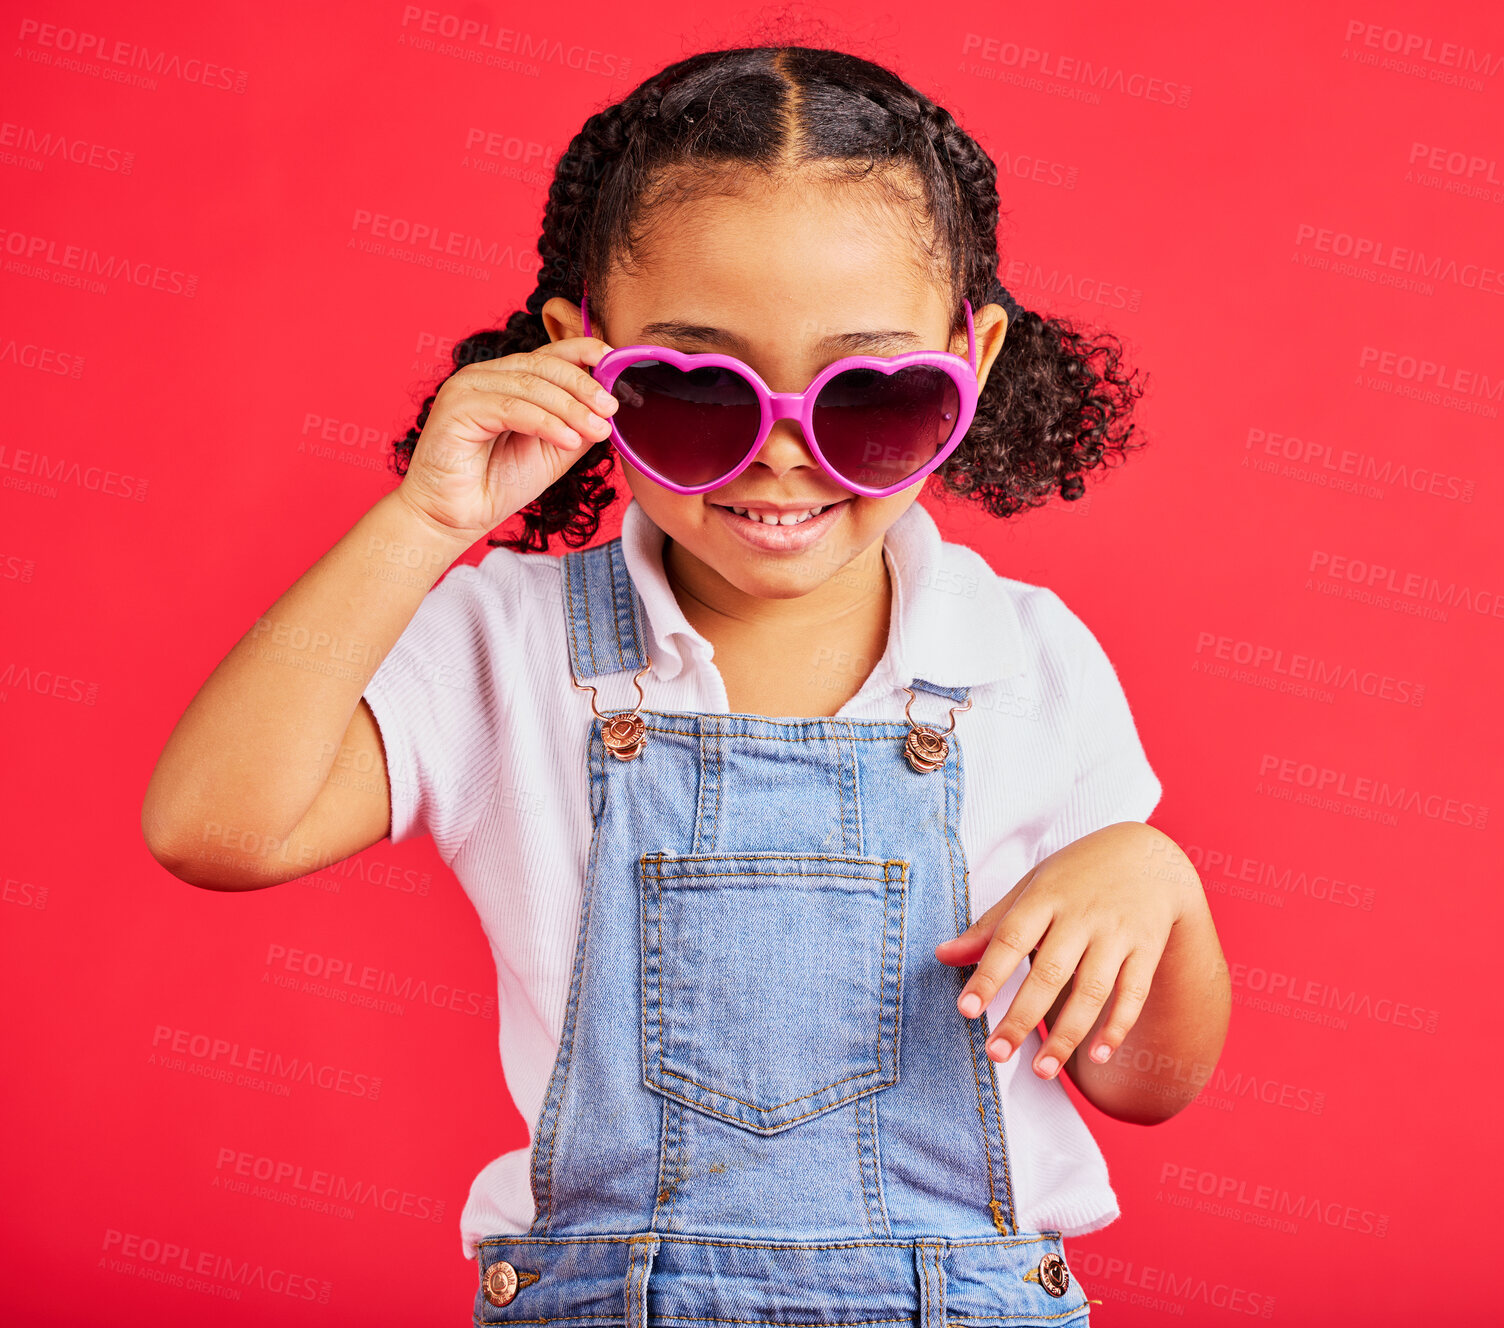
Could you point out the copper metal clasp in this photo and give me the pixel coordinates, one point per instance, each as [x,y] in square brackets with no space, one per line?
[926,747]
[624,731]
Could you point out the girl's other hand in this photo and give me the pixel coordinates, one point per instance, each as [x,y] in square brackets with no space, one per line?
[501,431]
[1099,912]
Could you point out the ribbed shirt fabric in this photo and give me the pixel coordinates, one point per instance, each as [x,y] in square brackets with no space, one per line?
[485,737]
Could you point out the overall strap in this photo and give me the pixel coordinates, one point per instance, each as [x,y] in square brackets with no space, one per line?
[603,614]
[956,694]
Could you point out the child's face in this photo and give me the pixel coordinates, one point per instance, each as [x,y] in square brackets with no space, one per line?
[767,277]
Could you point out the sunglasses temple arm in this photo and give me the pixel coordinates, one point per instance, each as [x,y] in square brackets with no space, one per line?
[585,309]
[971,336]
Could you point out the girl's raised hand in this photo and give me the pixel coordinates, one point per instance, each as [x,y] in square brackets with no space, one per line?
[501,431]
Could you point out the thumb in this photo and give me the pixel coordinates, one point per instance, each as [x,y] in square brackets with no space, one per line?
[974,939]
[969,946]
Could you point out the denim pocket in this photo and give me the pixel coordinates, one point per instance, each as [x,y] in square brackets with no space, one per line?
[771,982]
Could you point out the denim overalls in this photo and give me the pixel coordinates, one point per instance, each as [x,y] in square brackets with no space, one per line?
[766,1107]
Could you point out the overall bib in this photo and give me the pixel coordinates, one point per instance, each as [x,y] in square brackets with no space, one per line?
[766,1107]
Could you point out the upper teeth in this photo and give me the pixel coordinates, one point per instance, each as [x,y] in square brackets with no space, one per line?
[787,519]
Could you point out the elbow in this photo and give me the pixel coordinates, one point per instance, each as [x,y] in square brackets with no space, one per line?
[205,875]
[1149,1096]
[162,840]
[1153,1109]
[172,852]
[178,864]
[1157,1113]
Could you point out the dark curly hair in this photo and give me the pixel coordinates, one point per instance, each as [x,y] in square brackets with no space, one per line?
[1055,404]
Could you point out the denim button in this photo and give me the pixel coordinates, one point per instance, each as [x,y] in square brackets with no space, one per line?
[501,1283]
[1054,1276]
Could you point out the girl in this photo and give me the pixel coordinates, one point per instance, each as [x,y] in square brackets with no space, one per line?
[718,787]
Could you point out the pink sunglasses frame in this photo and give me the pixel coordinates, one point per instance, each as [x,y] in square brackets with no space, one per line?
[798,405]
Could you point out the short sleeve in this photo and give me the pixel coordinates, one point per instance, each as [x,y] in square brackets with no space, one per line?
[1113,780]
[441,699]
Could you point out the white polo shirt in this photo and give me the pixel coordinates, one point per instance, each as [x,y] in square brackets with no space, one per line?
[485,738]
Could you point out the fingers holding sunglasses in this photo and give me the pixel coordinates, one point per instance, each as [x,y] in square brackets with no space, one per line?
[580,408]
[577,353]
[499,432]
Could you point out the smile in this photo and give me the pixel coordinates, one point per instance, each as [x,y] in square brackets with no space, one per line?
[782,532]
[778,519]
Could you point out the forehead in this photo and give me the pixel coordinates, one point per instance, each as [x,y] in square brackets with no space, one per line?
[807,259]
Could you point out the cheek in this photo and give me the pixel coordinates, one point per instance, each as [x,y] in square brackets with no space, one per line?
[875,515]
[671,512]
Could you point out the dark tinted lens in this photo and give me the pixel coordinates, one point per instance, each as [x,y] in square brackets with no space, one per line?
[692,426]
[877,429]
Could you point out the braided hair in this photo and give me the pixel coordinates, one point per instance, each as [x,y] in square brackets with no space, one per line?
[1054,405]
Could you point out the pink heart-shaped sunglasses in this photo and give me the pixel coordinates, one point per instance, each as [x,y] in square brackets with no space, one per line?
[877,426]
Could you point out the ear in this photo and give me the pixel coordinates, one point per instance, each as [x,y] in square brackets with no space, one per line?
[990,325]
[562,319]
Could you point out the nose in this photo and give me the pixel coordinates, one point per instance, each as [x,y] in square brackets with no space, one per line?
[785,448]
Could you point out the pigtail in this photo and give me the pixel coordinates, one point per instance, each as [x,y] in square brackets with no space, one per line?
[571,507]
[1057,403]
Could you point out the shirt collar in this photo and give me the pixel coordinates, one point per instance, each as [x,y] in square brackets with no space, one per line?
[953,621]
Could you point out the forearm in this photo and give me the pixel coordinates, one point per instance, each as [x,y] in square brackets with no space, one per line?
[1170,1052]
[255,745]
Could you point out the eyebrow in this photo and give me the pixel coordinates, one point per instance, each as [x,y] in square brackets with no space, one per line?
[675,330]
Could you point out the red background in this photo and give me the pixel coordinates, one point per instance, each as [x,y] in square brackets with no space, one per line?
[1202,207]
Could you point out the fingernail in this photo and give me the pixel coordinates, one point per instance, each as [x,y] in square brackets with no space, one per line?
[970,1004]
[604,400]
[1047,1065]
[1101,1052]
[1003,1048]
